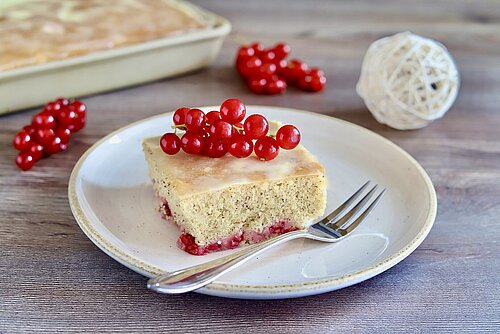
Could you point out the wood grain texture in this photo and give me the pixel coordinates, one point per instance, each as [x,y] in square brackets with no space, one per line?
[54,279]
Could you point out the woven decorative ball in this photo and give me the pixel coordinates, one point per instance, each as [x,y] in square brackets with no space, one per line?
[408,81]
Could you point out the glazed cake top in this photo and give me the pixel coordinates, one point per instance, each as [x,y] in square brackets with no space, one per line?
[39,31]
[193,174]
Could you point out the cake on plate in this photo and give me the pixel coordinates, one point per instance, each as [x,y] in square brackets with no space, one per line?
[39,31]
[227,202]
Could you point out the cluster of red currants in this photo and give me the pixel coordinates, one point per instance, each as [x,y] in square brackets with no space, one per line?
[218,132]
[267,72]
[49,131]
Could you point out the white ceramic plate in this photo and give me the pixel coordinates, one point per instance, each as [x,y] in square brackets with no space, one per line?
[112,200]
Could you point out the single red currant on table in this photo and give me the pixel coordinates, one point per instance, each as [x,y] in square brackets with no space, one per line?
[49,132]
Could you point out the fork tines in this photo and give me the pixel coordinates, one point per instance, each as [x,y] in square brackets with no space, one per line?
[351,213]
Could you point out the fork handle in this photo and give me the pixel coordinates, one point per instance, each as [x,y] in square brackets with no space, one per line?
[198,276]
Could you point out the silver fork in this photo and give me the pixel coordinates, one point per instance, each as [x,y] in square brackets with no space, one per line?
[334,227]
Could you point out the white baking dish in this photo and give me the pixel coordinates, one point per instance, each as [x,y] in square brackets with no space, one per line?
[106,70]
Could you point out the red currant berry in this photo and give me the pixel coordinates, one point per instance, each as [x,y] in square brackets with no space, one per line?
[195,120]
[53,146]
[24,161]
[64,134]
[180,116]
[276,87]
[79,124]
[43,120]
[29,129]
[248,66]
[215,148]
[22,140]
[62,101]
[240,147]
[316,72]
[281,50]
[266,148]
[170,143]
[79,108]
[267,70]
[256,126]
[317,84]
[52,108]
[212,116]
[63,147]
[67,118]
[288,137]
[45,136]
[296,70]
[192,143]
[281,67]
[221,130]
[36,151]
[267,56]
[257,85]
[233,111]
[244,52]
[257,47]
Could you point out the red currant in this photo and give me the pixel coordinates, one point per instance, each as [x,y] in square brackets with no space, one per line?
[256,126]
[192,143]
[245,52]
[52,108]
[36,151]
[22,140]
[67,118]
[266,148]
[267,70]
[212,116]
[276,87]
[257,47]
[52,146]
[316,72]
[257,85]
[79,108]
[195,120]
[288,137]
[45,136]
[221,130]
[24,160]
[240,147]
[267,56]
[79,124]
[170,143]
[64,134]
[281,67]
[233,111]
[248,66]
[180,116]
[281,50]
[30,129]
[63,147]
[62,101]
[296,70]
[312,83]
[43,120]
[215,148]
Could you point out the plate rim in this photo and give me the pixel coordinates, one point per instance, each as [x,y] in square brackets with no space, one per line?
[257,291]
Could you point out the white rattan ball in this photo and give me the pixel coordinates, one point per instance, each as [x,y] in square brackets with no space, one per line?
[408,81]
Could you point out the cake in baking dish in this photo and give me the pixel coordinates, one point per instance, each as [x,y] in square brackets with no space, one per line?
[39,31]
[227,202]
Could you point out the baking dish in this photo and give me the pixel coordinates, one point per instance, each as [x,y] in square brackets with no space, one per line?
[100,71]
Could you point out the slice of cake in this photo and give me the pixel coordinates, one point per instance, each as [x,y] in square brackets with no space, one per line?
[227,202]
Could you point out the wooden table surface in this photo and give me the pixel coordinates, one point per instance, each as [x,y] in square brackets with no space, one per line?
[53,278]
